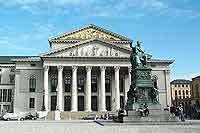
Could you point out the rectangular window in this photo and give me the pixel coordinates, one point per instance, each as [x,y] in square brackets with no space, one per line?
[175,92]
[108,83]
[32,103]
[67,83]
[94,83]
[12,79]
[1,92]
[4,95]
[32,84]
[54,82]
[81,82]
[9,95]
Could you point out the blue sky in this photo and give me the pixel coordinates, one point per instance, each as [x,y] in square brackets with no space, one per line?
[167,29]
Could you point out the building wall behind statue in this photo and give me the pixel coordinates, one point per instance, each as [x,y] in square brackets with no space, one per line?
[161,86]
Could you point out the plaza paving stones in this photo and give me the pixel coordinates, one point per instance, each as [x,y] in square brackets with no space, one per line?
[95,127]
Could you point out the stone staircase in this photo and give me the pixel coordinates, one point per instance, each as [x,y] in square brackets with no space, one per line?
[65,115]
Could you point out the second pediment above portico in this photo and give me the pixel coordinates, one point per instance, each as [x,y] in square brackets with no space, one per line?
[90,48]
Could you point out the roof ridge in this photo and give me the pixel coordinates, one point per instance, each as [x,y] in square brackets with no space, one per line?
[88,26]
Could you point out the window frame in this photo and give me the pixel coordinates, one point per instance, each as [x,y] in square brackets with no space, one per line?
[32,83]
[31,103]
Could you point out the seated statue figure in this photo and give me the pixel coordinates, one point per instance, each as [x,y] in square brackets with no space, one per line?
[138,56]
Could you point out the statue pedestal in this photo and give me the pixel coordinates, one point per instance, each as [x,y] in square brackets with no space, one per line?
[151,106]
[154,116]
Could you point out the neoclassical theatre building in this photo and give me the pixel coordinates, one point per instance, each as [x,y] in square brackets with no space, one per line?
[85,70]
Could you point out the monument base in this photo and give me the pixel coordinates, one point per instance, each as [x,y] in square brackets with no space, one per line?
[154,116]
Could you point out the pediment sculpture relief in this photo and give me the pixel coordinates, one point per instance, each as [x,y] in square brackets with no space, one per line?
[94,51]
[90,34]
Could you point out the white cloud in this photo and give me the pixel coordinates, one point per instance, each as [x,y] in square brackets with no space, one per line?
[187,76]
[103,8]
[6,43]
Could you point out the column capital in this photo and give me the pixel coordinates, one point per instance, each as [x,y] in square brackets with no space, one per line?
[102,68]
[60,68]
[17,71]
[88,68]
[46,68]
[116,68]
[74,68]
[167,71]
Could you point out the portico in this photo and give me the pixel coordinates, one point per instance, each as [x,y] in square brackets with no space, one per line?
[88,88]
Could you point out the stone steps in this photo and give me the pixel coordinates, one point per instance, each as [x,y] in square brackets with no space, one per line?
[65,115]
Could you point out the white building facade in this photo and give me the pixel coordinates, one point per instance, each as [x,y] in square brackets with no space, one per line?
[85,70]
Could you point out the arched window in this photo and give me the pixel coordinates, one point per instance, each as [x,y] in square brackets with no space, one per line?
[54,82]
[32,83]
[155,81]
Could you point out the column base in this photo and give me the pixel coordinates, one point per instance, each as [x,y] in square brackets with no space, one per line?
[74,110]
[103,110]
[88,110]
[57,115]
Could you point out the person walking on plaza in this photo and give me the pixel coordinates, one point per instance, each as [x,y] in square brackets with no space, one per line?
[181,112]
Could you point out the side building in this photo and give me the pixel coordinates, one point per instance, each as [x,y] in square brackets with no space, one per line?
[181,91]
[195,90]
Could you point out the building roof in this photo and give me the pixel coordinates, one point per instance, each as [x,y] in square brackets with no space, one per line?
[11,59]
[180,81]
[196,77]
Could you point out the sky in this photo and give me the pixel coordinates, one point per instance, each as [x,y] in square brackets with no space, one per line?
[168,29]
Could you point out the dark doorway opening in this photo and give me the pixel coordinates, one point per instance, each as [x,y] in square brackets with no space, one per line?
[94,103]
[80,103]
[53,103]
[67,103]
[108,103]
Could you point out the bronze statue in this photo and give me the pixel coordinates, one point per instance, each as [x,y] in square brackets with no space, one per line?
[138,56]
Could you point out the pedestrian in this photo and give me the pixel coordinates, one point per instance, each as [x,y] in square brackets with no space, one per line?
[146,110]
[120,115]
[181,113]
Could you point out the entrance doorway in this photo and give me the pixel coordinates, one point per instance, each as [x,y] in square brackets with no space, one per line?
[108,104]
[67,103]
[94,103]
[53,103]
[80,103]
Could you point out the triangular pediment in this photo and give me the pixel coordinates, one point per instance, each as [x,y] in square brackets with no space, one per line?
[90,32]
[90,48]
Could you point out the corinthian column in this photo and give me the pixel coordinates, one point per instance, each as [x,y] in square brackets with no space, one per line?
[74,89]
[88,90]
[117,91]
[46,90]
[102,94]
[60,88]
